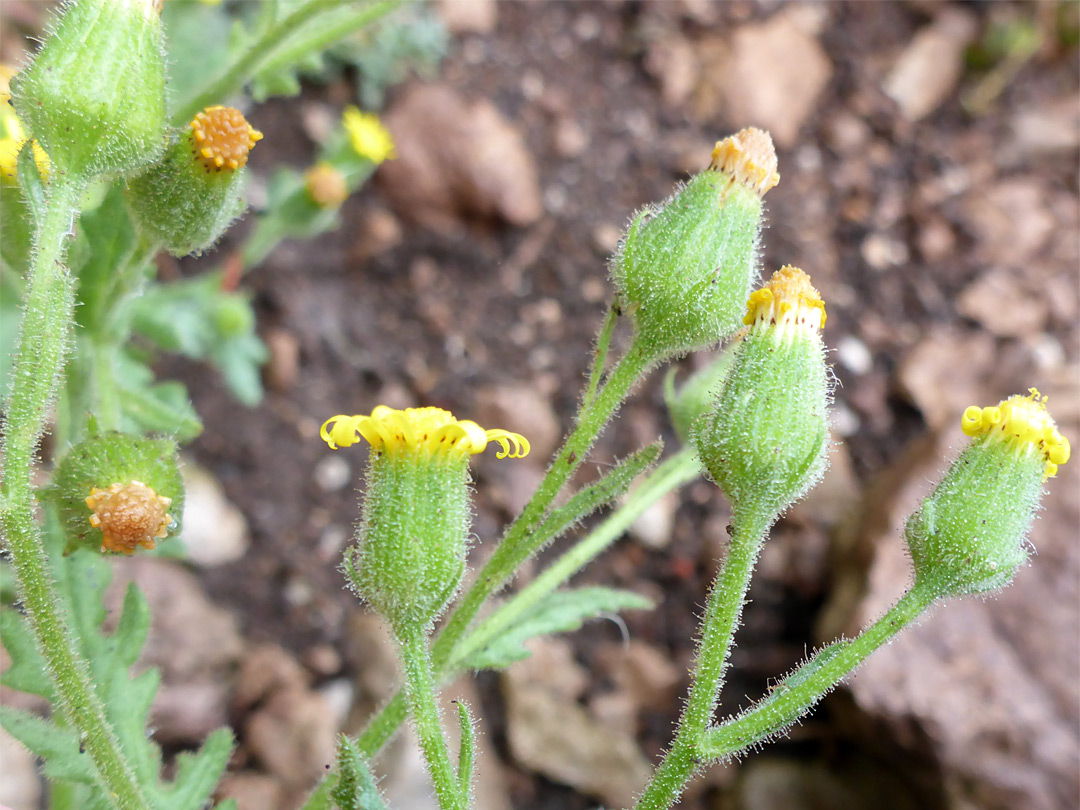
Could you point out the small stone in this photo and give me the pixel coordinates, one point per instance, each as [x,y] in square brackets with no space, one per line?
[673,62]
[293,736]
[380,231]
[882,251]
[468,16]
[21,785]
[927,71]
[215,531]
[854,355]
[570,138]
[653,527]
[606,238]
[943,373]
[284,365]
[1010,220]
[266,669]
[1002,303]
[520,408]
[332,473]
[251,791]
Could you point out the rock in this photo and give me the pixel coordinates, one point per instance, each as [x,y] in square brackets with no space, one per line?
[251,791]
[944,373]
[672,61]
[266,669]
[215,531]
[468,16]
[522,409]
[188,712]
[927,71]
[369,652]
[21,786]
[1001,302]
[293,736]
[457,160]
[332,473]
[854,355]
[646,674]
[653,528]
[1045,129]
[380,231]
[284,365]
[769,76]
[549,732]
[1010,220]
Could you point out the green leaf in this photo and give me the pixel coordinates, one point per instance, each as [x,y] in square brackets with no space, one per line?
[27,670]
[468,749]
[355,788]
[198,774]
[110,238]
[59,747]
[30,181]
[196,38]
[18,236]
[559,612]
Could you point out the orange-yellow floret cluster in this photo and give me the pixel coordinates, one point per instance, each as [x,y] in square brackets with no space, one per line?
[1024,422]
[129,516]
[221,138]
[420,430]
[787,299]
[749,157]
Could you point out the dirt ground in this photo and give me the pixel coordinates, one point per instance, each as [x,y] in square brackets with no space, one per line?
[933,199]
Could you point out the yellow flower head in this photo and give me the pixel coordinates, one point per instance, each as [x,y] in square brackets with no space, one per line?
[221,138]
[325,185]
[788,299]
[1023,422]
[420,430]
[12,136]
[367,135]
[129,516]
[749,157]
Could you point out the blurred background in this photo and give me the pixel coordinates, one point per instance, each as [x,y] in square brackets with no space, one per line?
[929,163]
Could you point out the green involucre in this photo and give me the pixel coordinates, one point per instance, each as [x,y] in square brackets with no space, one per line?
[968,535]
[94,96]
[684,270]
[181,205]
[108,459]
[412,536]
[764,440]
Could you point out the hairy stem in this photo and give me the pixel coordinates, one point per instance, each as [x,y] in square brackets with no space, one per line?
[722,614]
[43,342]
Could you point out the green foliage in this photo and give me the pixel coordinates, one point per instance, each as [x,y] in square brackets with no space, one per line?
[83,577]
[560,612]
[355,788]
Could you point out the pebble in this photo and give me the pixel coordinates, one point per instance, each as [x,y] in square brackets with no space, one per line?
[215,531]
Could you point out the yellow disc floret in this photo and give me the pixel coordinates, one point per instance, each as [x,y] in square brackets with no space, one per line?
[221,138]
[420,430]
[749,157]
[325,185]
[129,515]
[788,299]
[367,135]
[1024,422]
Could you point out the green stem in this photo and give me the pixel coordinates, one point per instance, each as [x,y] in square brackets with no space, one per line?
[674,472]
[722,613]
[603,343]
[268,51]
[808,684]
[516,546]
[43,342]
[420,693]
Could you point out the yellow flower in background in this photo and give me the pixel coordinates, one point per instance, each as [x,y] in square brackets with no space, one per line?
[416,430]
[367,135]
[325,185]
[12,136]
[1023,422]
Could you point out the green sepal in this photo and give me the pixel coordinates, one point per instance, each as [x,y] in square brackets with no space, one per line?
[94,95]
[765,439]
[182,204]
[410,557]
[559,612]
[968,536]
[684,269]
[694,396]
[101,461]
[467,752]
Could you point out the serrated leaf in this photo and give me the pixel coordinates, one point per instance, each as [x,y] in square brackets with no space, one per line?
[559,612]
[18,234]
[30,182]
[59,747]
[110,237]
[27,670]
[198,774]
[240,361]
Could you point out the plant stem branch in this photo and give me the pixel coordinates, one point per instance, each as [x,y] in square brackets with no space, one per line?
[43,343]
[722,614]
[420,693]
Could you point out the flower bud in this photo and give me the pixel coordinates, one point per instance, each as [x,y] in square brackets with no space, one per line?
[968,536]
[684,269]
[764,440]
[188,200]
[416,511]
[325,185]
[94,96]
[118,492]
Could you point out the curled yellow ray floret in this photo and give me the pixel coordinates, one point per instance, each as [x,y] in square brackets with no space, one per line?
[749,157]
[367,135]
[788,299]
[221,138]
[413,430]
[1024,422]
